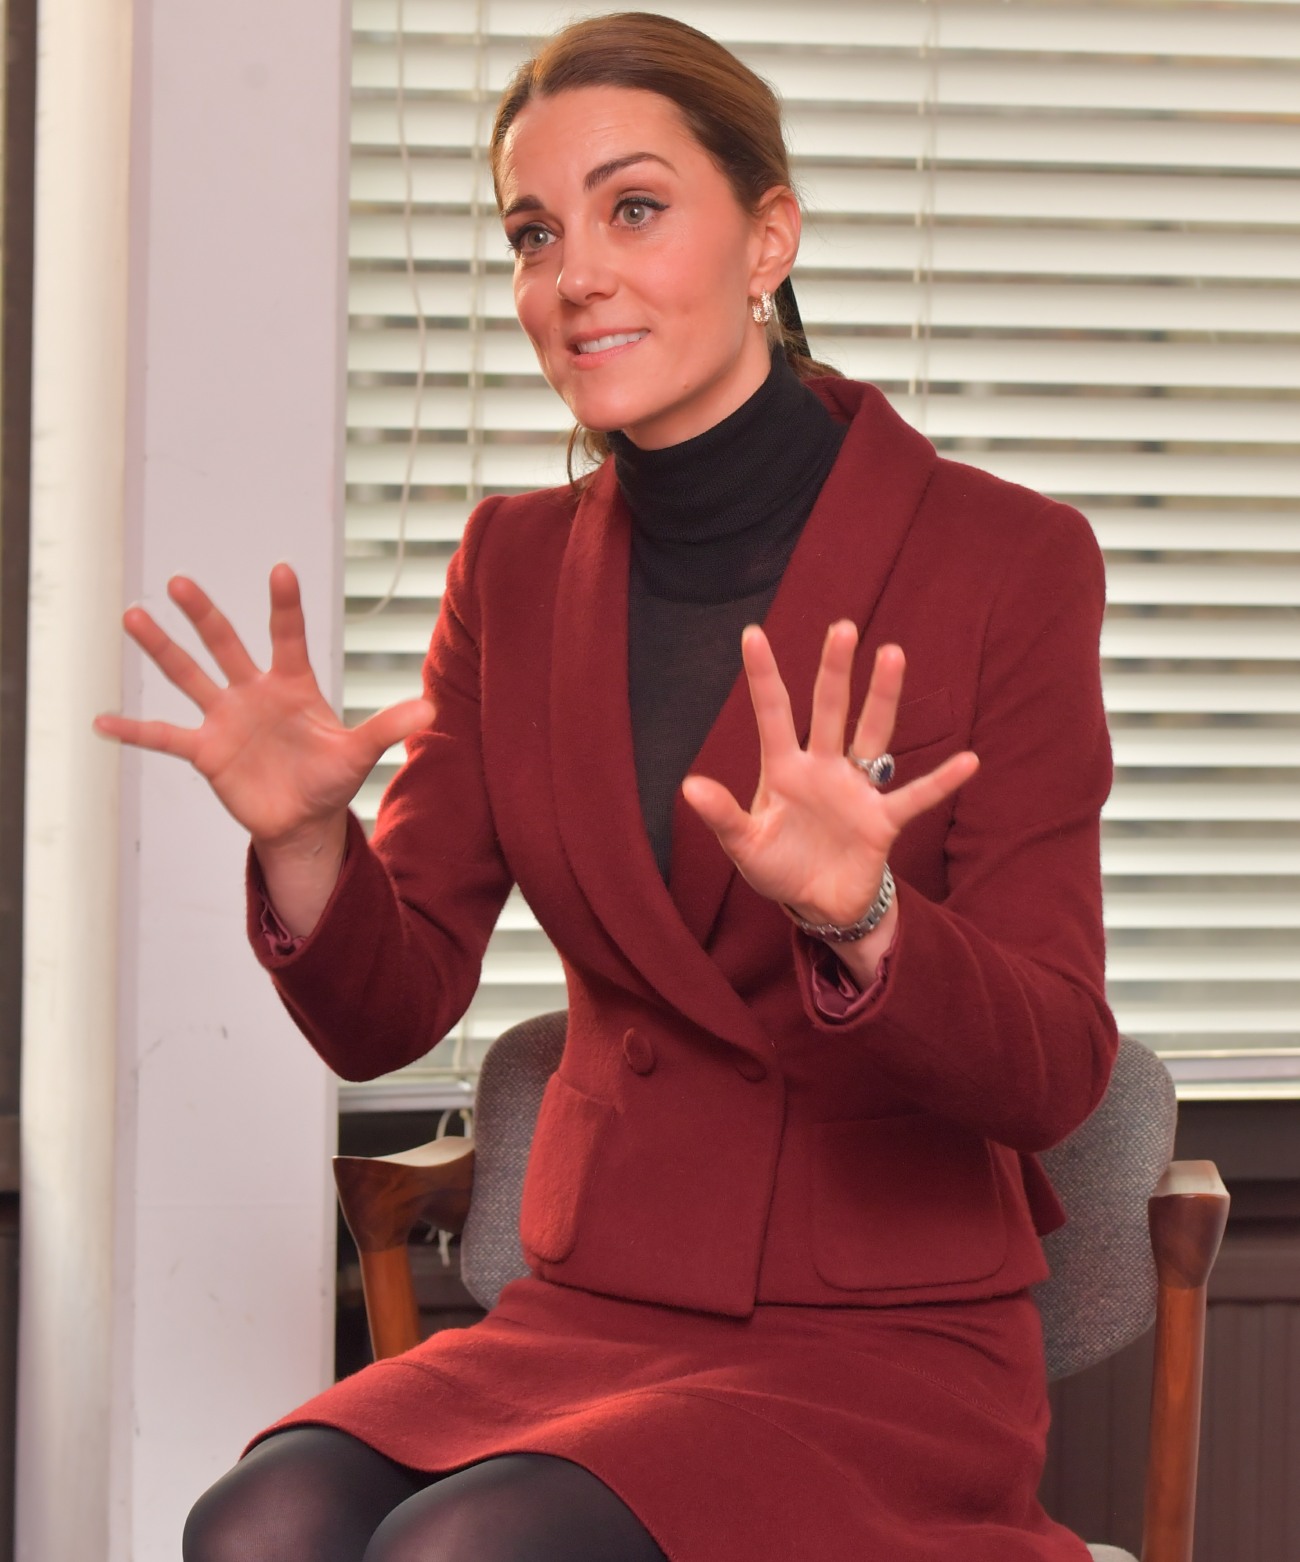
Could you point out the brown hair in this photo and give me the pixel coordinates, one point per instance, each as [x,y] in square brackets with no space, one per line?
[733,114]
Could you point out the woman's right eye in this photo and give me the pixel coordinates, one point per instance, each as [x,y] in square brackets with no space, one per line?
[530,240]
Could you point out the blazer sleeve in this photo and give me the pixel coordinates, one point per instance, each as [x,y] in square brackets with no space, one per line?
[395,959]
[993,1011]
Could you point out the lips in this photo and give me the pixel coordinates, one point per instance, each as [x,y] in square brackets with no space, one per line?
[601,344]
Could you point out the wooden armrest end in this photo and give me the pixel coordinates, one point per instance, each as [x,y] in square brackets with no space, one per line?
[383,1197]
[1188,1213]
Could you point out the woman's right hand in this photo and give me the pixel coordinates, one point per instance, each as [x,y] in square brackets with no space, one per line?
[269,744]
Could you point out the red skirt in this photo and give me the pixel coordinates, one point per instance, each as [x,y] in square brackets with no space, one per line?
[910,1434]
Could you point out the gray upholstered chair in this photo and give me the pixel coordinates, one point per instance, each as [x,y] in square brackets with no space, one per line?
[1140,1241]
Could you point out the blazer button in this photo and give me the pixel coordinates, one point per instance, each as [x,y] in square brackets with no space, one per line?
[752,1069]
[639,1053]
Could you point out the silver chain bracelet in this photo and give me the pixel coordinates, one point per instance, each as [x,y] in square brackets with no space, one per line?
[872,917]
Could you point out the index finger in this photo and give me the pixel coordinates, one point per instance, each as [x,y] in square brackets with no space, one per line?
[767,693]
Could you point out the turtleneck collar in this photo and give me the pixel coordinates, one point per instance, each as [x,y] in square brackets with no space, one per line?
[716,517]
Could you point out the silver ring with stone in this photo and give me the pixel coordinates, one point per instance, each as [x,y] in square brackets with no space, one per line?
[879,771]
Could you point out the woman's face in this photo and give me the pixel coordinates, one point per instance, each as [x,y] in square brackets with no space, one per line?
[635,264]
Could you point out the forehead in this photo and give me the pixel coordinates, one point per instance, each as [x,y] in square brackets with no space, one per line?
[561,138]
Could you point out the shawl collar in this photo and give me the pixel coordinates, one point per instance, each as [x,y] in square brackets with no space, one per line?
[838,570]
[593,771]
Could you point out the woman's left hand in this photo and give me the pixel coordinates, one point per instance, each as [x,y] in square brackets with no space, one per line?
[818,834]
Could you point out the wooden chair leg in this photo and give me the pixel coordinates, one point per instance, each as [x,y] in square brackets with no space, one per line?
[382,1199]
[1188,1213]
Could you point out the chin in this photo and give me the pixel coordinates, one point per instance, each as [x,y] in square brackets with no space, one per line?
[604,416]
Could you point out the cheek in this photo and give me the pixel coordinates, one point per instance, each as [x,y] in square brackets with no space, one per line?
[536,308]
[528,304]
[704,282]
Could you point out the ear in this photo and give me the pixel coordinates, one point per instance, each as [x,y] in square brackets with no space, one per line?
[778,223]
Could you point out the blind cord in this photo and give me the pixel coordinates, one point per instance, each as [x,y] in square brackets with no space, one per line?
[927,107]
[421,326]
[477,277]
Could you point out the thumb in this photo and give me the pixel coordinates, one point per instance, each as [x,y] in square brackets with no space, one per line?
[392,725]
[717,807]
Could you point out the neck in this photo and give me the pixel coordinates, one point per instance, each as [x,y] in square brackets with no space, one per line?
[716,517]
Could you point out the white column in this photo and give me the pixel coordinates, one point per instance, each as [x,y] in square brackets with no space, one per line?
[177,1265]
[72,844]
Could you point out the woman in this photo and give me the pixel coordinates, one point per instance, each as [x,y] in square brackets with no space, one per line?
[782,1208]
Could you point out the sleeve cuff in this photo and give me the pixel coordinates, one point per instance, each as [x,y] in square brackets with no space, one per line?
[271,939]
[835,993]
[280,942]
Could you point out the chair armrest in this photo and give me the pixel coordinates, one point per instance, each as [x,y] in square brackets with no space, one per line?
[1188,1213]
[382,1198]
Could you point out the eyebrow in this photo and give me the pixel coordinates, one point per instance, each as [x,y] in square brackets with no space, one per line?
[596,177]
[616,165]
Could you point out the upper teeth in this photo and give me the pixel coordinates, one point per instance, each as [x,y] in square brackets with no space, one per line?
[603,343]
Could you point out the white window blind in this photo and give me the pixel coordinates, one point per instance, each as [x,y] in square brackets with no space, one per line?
[1065,240]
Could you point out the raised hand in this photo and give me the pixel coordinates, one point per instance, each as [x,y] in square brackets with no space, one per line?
[817,834]
[269,744]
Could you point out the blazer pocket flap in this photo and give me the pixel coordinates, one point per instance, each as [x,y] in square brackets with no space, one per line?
[570,1126]
[920,722]
[904,1203]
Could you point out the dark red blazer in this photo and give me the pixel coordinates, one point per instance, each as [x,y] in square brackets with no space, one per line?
[710,1140]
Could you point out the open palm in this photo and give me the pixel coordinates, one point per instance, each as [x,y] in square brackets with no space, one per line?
[269,744]
[817,834]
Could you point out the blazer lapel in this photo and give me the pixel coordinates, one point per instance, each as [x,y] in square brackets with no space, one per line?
[594,775]
[838,570]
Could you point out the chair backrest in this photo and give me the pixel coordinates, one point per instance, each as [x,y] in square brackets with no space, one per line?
[1102,1289]
[509,1097]
[1101,1293]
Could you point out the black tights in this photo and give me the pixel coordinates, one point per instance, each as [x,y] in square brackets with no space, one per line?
[313,1494]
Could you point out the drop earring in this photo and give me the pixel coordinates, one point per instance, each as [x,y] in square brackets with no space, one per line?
[762,308]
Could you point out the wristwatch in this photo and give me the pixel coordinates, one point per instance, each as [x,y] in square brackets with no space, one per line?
[832,933]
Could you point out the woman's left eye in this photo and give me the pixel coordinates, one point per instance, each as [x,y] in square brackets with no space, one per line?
[637,211]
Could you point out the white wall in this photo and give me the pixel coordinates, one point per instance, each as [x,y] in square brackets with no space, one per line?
[178,1251]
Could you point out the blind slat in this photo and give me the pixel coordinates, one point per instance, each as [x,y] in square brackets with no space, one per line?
[865,190]
[1201,366]
[1261,31]
[858,133]
[847,75]
[1063,307]
[834,243]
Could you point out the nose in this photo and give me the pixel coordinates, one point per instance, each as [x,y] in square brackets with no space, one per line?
[585,272]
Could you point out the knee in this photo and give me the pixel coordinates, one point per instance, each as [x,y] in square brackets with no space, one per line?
[222,1525]
[431,1534]
[514,1508]
[258,1512]
[308,1495]
[455,1520]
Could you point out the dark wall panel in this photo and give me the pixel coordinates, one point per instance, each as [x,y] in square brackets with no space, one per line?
[1248,1504]
[1249,1508]
[19,161]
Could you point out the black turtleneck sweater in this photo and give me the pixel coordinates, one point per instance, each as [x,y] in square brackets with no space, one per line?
[714,522]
